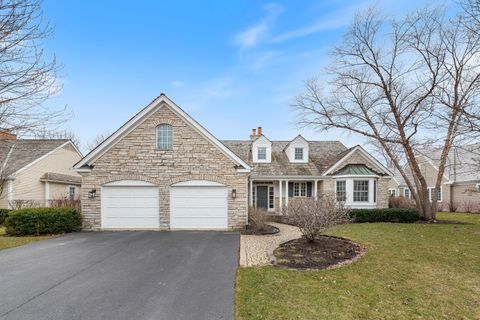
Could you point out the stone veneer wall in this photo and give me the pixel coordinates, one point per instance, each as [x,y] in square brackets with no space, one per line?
[193,157]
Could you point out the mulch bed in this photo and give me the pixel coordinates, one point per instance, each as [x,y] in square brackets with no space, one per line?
[265,231]
[321,254]
[442,222]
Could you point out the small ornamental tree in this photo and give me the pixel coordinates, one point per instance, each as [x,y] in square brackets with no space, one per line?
[315,216]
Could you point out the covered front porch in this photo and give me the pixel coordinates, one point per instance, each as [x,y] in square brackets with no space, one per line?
[273,194]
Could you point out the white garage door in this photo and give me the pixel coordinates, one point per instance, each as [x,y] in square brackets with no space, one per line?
[199,205]
[130,205]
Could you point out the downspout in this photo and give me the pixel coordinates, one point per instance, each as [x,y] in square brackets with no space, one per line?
[2,170]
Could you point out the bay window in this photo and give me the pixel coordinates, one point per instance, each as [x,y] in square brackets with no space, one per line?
[360,190]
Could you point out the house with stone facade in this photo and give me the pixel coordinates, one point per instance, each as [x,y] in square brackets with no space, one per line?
[162,170]
[460,185]
[34,172]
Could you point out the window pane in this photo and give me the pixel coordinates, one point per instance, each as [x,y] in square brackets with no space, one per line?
[164,137]
[262,153]
[374,191]
[341,191]
[296,189]
[298,153]
[360,191]
[303,189]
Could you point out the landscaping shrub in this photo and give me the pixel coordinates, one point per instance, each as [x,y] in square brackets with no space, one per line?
[401,202]
[315,216]
[37,221]
[385,215]
[257,219]
[3,215]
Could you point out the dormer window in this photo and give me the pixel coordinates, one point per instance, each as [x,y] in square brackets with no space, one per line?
[298,153]
[297,150]
[262,150]
[262,153]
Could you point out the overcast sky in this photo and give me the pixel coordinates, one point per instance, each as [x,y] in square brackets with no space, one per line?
[232,65]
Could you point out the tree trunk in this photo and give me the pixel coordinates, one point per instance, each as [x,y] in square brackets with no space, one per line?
[424,206]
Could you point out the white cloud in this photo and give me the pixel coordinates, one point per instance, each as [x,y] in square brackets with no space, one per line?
[256,33]
[177,84]
[337,19]
[319,26]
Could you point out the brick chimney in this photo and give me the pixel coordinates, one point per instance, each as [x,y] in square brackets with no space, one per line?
[253,136]
[259,131]
[5,134]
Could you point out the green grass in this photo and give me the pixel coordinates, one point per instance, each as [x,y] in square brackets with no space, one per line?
[411,271]
[10,242]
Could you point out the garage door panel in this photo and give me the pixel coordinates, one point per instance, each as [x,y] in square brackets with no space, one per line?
[199,207]
[130,207]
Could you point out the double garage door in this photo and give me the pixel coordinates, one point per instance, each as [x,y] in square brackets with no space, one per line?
[134,205]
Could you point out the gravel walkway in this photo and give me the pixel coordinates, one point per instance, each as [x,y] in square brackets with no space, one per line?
[258,250]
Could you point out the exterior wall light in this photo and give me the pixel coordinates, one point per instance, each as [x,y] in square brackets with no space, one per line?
[92,193]
[234,194]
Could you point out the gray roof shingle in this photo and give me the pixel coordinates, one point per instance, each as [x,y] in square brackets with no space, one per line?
[25,151]
[322,155]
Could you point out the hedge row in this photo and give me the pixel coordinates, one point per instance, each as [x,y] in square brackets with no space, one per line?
[37,221]
[385,215]
[3,215]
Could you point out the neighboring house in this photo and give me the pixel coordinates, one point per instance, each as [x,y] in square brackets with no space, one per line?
[33,172]
[461,180]
[163,170]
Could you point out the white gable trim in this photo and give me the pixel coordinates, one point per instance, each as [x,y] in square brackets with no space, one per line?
[378,165]
[44,156]
[131,124]
[299,137]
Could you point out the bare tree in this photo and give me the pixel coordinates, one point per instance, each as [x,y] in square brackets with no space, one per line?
[97,140]
[27,79]
[315,216]
[405,84]
[57,134]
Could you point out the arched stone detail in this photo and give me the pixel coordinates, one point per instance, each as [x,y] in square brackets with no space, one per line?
[208,177]
[156,122]
[132,176]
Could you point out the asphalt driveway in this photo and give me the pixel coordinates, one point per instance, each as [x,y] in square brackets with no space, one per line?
[121,275]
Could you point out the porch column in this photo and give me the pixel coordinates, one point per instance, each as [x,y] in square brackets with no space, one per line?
[286,193]
[280,195]
[315,184]
[251,193]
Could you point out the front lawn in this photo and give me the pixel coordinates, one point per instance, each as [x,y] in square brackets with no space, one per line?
[411,271]
[9,242]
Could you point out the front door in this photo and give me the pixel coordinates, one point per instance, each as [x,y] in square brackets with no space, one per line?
[262,197]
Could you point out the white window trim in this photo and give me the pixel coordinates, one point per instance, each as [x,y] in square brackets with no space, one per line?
[300,184]
[368,190]
[156,137]
[254,195]
[409,193]
[295,153]
[478,187]
[265,154]
[430,194]
[394,192]
[336,189]
[349,182]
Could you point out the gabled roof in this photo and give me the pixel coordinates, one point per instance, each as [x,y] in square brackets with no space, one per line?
[463,162]
[61,178]
[299,137]
[17,154]
[321,156]
[378,165]
[87,162]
